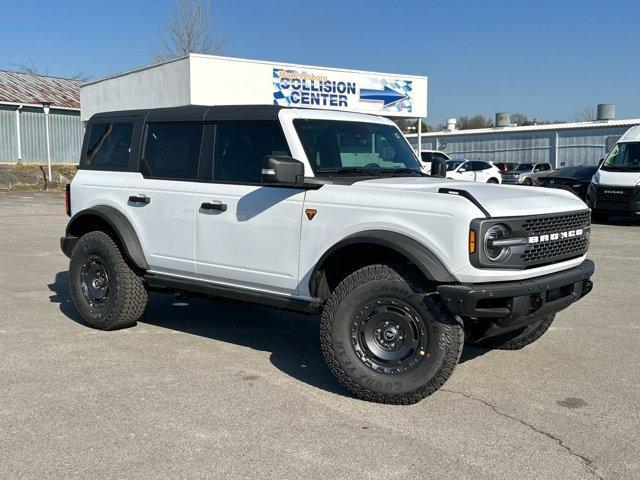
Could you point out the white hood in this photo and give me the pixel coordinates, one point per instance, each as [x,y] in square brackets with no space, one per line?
[498,200]
[618,179]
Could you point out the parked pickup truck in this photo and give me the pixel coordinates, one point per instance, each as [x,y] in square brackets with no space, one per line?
[324,213]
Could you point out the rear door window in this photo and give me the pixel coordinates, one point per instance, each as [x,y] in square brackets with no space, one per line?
[172,150]
[109,145]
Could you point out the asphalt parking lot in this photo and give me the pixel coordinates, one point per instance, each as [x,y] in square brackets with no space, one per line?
[206,389]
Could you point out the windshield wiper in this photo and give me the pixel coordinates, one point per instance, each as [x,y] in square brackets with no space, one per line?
[373,172]
[403,170]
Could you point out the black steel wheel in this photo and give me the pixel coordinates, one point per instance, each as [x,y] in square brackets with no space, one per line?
[389,336]
[94,282]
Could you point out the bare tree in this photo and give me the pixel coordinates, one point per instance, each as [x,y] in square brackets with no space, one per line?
[477,121]
[190,31]
[32,69]
[411,125]
[587,115]
[522,120]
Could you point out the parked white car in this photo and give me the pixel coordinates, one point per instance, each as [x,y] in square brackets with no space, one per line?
[428,156]
[473,171]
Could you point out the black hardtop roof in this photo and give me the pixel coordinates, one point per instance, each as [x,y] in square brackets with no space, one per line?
[198,113]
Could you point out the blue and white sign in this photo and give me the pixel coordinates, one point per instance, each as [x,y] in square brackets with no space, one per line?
[338,90]
[209,80]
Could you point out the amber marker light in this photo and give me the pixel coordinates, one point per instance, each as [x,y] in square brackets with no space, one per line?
[472,241]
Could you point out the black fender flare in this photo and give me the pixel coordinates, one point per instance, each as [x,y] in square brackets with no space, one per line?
[417,253]
[119,224]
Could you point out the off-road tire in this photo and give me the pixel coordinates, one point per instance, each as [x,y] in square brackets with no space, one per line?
[444,337]
[519,338]
[126,297]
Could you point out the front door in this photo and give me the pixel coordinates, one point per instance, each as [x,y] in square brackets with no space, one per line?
[465,172]
[248,234]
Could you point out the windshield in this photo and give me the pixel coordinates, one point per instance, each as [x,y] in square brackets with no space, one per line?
[623,157]
[338,146]
[453,164]
[579,173]
[524,167]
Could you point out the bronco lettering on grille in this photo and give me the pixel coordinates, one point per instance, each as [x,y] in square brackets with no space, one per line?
[556,236]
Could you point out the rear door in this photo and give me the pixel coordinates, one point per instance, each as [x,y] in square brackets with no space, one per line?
[482,171]
[248,234]
[161,197]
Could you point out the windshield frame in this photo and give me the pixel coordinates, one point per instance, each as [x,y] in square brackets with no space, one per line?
[350,170]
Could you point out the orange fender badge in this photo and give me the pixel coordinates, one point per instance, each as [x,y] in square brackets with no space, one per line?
[311,212]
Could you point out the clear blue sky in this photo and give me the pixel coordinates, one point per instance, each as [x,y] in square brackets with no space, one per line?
[548,59]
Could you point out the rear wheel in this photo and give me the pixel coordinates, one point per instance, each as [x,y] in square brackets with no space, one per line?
[106,291]
[519,338]
[385,340]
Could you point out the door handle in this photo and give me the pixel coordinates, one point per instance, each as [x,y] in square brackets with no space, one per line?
[216,205]
[141,198]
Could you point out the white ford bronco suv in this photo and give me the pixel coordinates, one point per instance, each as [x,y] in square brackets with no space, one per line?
[324,213]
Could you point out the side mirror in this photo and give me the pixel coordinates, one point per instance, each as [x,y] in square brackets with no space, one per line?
[438,168]
[282,170]
[601,161]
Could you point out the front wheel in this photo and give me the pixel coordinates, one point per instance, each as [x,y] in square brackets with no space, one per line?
[527,182]
[493,180]
[106,291]
[385,339]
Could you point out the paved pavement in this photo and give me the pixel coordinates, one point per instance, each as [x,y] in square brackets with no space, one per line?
[205,389]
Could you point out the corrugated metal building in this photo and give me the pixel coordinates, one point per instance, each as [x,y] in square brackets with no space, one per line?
[22,118]
[563,144]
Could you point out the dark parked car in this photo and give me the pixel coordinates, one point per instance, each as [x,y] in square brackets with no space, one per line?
[576,179]
[506,166]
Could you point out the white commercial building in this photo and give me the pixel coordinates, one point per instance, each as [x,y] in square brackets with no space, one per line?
[212,80]
[562,144]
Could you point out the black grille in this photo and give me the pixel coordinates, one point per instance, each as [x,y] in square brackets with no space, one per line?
[614,194]
[554,224]
[545,252]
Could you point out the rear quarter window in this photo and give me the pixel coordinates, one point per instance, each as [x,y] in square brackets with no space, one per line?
[109,145]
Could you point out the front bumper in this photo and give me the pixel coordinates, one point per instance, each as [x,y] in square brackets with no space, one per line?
[511,304]
[604,198]
[511,180]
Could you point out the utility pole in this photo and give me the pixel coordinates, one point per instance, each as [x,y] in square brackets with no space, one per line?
[46,106]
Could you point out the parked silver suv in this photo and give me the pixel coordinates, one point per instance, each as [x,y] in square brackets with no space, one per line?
[524,173]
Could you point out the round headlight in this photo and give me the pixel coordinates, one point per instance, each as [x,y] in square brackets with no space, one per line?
[497,253]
